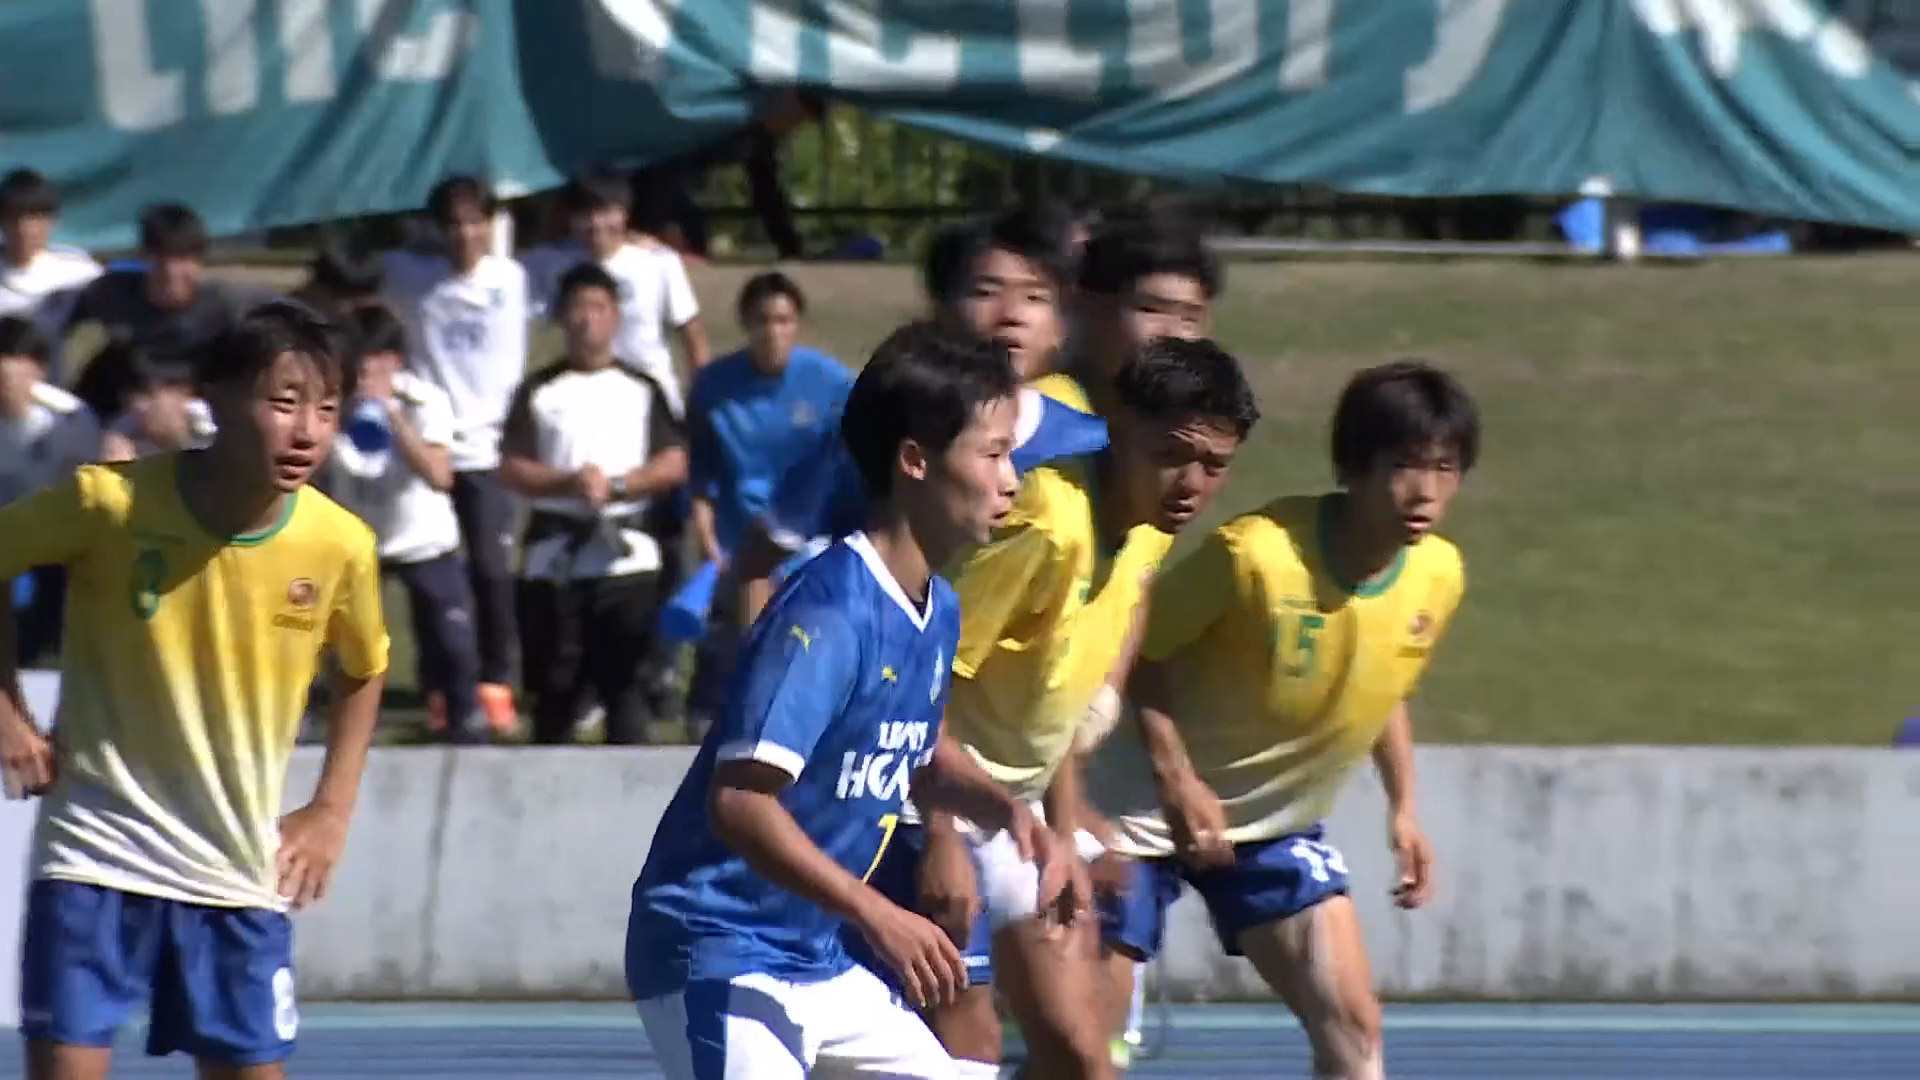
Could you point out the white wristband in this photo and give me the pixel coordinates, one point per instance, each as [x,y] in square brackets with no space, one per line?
[1102,715]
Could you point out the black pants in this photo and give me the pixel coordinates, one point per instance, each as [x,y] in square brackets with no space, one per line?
[485,511]
[440,605]
[586,639]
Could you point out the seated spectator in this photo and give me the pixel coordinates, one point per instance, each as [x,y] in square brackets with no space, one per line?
[391,466]
[467,309]
[38,279]
[593,445]
[154,410]
[45,433]
[168,305]
[342,278]
[655,294]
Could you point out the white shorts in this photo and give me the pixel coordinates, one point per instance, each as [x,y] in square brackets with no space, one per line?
[1010,886]
[761,1028]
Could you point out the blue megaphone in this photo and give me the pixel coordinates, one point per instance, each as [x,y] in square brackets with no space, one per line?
[369,429]
[684,618]
[23,592]
[1908,736]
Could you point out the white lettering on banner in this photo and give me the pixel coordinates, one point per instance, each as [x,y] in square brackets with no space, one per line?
[136,95]
[930,63]
[630,38]
[1157,53]
[233,56]
[133,95]
[1723,25]
[773,42]
[1049,61]
[1462,38]
[1309,40]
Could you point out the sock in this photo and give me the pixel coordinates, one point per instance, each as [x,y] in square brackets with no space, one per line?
[975,1070]
[1137,1010]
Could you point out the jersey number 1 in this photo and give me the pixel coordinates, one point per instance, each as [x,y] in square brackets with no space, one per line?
[888,823]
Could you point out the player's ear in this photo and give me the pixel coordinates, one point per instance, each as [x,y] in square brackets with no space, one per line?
[913,459]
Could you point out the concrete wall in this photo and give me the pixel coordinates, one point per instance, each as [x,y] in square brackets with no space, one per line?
[1595,873]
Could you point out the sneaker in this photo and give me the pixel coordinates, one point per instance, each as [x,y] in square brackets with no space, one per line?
[436,712]
[496,700]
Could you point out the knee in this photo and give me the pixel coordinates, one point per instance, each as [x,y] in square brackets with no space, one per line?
[1348,1044]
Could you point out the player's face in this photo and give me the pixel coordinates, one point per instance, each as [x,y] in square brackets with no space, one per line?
[284,424]
[602,231]
[1409,491]
[772,328]
[1173,471]
[172,279]
[26,235]
[1010,300]
[468,232]
[591,320]
[1157,306]
[973,481]
[18,376]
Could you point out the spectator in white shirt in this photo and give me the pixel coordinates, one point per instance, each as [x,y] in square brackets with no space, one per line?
[655,294]
[467,314]
[392,466]
[45,433]
[592,443]
[38,279]
[155,410]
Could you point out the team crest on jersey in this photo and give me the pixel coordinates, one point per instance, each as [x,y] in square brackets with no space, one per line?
[1420,624]
[301,593]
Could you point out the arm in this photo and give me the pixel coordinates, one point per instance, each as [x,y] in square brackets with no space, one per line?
[705,532]
[744,805]
[1393,756]
[431,460]
[952,785]
[693,343]
[666,466]
[683,314]
[521,470]
[753,565]
[703,459]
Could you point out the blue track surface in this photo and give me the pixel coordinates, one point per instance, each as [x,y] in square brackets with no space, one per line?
[453,1042]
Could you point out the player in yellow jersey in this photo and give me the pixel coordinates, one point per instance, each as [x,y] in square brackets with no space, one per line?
[1278,657]
[1049,614]
[203,588]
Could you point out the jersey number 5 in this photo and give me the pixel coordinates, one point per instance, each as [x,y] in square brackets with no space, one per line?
[1298,660]
[149,573]
[888,823]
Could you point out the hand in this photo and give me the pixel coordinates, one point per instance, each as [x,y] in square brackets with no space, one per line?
[311,839]
[376,383]
[949,888]
[928,963]
[1198,823]
[592,485]
[1111,874]
[27,758]
[1413,857]
[1066,890]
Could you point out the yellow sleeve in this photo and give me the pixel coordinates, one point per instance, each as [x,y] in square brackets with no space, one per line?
[1191,596]
[1010,577]
[51,527]
[357,629]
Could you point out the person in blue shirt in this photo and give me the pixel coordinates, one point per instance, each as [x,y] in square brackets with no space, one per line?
[1001,279]
[734,952]
[750,414]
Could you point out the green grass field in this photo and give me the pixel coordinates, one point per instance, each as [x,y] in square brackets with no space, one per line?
[1698,511]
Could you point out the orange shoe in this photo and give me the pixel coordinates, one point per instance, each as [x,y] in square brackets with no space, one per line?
[496,700]
[436,711]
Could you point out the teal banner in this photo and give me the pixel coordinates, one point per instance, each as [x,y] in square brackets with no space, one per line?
[274,112]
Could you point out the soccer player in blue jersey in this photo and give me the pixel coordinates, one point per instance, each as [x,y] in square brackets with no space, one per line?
[733,947]
[1002,279]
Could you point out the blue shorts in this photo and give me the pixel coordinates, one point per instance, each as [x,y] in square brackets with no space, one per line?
[898,879]
[1269,880]
[217,983]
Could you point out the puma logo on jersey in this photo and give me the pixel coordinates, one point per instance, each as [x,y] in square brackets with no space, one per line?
[887,674]
[805,639]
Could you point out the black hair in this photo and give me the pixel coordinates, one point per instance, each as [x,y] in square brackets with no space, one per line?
[925,383]
[1403,406]
[375,329]
[586,275]
[454,192]
[25,193]
[1042,235]
[248,348]
[348,268]
[761,288]
[1126,248]
[594,190]
[172,230]
[1174,377]
[949,259]
[19,336]
[122,367]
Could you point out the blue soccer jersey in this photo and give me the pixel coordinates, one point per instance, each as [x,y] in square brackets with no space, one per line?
[821,493]
[840,685]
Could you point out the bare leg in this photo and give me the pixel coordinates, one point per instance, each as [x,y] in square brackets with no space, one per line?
[214,1070]
[1318,965]
[1048,983]
[61,1061]
[969,1028]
